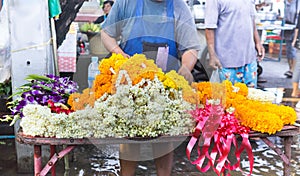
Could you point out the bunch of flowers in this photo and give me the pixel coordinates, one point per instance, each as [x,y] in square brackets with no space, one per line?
[41,89]
[58,107]
[137,68]
[264,117]
[146,109]
[253,107]
[260,95]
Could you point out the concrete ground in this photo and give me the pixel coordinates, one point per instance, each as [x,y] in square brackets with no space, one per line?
[273,72]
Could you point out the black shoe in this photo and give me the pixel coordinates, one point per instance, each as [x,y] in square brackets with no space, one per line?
[288,74]
[259,86]
[261,80]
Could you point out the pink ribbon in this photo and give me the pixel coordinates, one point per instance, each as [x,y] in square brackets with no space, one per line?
[213,124]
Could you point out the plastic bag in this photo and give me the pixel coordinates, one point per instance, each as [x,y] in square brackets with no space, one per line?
[215,77]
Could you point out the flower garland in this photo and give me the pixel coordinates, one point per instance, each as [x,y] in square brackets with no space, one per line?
[108,68]
[220,127]
[252,111]
[146,109]
[138,67]
[264,117]
[189,94]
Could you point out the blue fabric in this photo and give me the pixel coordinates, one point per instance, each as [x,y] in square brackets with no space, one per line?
[120,21]
[142,31]
[246,74]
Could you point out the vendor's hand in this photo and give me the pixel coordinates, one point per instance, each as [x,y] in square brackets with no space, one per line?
[118,50]
[293,43]
[260,52]
[186,73]
[215,63]
[125,55]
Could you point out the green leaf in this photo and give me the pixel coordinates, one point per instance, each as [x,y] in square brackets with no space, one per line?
[6,119]
[38,78]
[16,117]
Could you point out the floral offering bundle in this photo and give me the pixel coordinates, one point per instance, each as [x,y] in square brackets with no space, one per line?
[129,98]
[227,113]
[252,109]
[215,132]
[43,90]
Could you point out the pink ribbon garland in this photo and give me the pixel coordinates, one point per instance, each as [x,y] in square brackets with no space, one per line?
[214,124]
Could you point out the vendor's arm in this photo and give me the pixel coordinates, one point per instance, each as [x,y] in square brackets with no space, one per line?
[296,32]
[295,37]
[189,59]
[111,44]
[214,61]
[259,47]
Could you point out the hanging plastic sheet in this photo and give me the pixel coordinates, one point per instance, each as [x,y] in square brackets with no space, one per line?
[5,61]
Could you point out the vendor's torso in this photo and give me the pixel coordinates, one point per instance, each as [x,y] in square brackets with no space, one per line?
[152,23]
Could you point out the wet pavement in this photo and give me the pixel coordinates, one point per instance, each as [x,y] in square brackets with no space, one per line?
[91,160]
[103,160]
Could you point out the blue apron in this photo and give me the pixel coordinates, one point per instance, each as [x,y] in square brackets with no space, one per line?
[155,32]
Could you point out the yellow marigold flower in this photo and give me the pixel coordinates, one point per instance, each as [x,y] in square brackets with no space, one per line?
[138,65]
[243,89]
[180,82]
[169,83]
[161,76]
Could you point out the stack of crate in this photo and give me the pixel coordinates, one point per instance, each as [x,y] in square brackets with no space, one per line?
[274,40]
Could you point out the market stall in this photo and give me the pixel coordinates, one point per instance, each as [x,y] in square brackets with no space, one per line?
[132,102]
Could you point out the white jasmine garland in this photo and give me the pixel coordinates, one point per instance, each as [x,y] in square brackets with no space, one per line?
[260,95]
[146,109]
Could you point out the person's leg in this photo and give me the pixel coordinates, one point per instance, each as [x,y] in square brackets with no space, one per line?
[291,56]
[295,89]
[232,74]
[163,158]
[250,74]
[296,76]
[129,155]
[164,164]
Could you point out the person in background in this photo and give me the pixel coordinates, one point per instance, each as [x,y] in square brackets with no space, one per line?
[296,74]
[145,26]
[233,42]
[106,8]
[290,17]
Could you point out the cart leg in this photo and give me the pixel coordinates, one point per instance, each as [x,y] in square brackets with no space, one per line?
[37,159]
[52,152]
[288,153]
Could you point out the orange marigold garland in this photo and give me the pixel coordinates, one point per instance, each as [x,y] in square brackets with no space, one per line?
[252,114]
[262,117]
[109,68]
[79,101]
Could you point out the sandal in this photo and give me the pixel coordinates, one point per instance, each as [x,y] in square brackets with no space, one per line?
[288,74]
